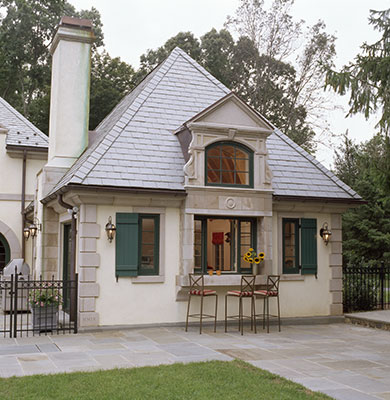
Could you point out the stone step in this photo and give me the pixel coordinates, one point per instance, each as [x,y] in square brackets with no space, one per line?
[373,319]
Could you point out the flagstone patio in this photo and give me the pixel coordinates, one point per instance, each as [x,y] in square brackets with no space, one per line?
[342,360]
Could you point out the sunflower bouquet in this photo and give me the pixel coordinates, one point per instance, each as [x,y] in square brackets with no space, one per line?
[252,257]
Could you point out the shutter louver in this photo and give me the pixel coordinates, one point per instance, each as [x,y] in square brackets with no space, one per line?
[127,238]
[309,246]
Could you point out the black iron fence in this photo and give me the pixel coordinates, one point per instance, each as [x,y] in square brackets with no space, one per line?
[366,287]
[34,307]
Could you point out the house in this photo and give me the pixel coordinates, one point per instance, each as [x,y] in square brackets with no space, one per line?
[191,177]
[23,152]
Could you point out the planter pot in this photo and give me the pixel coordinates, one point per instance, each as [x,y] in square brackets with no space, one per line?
[45,318]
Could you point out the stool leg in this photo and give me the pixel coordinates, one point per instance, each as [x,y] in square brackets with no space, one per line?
[241,319]
[226,313]
[188,311]
[267,314]
[201,314]
[216,308]
[254,312]
[264,312]
[278,312]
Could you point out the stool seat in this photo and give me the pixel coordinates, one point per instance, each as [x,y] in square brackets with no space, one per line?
[198,292]
[238,293]
[270,293]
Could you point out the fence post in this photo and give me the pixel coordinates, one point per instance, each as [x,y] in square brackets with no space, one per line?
[15,303]
[76,283]
[382,279]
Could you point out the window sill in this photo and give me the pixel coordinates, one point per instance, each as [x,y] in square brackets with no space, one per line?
[292,277]
[148,279]
[221,280]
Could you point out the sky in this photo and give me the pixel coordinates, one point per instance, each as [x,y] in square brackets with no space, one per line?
[132,27]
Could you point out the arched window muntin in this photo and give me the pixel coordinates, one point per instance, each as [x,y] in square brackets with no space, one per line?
[228,164]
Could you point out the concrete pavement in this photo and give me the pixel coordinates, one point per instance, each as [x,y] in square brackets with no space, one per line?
[342,360]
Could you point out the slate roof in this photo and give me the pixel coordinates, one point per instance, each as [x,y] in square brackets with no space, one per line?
[21,132]
[136,146]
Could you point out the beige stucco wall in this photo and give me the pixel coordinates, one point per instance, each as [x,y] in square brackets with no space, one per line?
[128,302]
[303,295]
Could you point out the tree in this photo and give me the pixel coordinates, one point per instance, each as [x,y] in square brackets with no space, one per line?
[307,50]
[25,65]
[111,79]
[366,229]
[367,78]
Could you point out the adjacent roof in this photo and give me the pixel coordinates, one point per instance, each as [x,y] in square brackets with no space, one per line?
[136,146]
[21,132]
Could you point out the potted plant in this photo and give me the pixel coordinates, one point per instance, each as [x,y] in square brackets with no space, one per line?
[254,259]
[45,302]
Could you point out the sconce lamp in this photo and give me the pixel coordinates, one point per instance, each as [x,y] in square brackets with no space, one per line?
[35,227]
[325,233]
[110,229]
[26,233]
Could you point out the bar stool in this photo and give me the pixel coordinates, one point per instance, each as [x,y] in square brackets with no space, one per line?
[246,292]
[197,289]
[271,291]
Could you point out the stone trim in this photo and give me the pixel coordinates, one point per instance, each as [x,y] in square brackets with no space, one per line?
[50,240]
[336,264]
[88,262]
[12,239]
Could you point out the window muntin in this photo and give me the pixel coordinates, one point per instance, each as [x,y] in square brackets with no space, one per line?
[229,164]
[290,246]
[220,243]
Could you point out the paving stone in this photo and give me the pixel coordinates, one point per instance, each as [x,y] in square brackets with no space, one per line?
[22,349]
[348,394]
[48,348]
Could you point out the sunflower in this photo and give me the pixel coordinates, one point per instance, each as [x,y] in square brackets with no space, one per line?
[262,255]
[248,254]
[257,260]
[250,260]
[246,258]
[251,249]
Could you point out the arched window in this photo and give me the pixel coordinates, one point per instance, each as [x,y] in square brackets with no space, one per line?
[4,252]
[229,164]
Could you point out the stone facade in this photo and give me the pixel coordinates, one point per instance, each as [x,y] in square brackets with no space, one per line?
[88,262]
[336,265]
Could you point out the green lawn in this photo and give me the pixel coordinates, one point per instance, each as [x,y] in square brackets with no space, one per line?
[210,380]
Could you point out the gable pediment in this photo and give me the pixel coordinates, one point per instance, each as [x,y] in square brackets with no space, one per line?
[231,113]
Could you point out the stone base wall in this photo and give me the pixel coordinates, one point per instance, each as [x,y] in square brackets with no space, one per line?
[50,239]
[336,265]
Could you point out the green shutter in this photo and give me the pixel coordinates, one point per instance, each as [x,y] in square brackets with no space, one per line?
[309,246]
[126,260]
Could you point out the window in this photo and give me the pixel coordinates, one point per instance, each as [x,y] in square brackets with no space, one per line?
[220,243]
[229,164]
[4,252]
[299,246]
[137,244]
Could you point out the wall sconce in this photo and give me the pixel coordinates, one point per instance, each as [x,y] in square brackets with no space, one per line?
[35,227]
[26,233]
[110,229]
[325,233]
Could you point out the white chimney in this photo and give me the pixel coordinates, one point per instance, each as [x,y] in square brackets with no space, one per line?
[69,99]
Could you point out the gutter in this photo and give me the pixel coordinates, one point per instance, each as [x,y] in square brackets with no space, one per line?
[27,148]
[110,189]
[73,300]
[23,202]
[335,200]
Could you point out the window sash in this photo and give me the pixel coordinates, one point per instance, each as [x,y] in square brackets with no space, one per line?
[296,255]
[235,240]
[218,172]
[145,245]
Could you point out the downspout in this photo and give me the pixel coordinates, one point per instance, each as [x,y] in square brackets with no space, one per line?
[23,202]
[72,255]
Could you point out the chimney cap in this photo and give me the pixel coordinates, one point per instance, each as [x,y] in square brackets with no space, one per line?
[76,23]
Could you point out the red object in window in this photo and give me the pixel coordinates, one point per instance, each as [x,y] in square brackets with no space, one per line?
[217,238]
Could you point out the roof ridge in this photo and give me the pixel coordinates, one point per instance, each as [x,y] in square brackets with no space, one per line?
[201,69]
[23,119]
[316,163]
